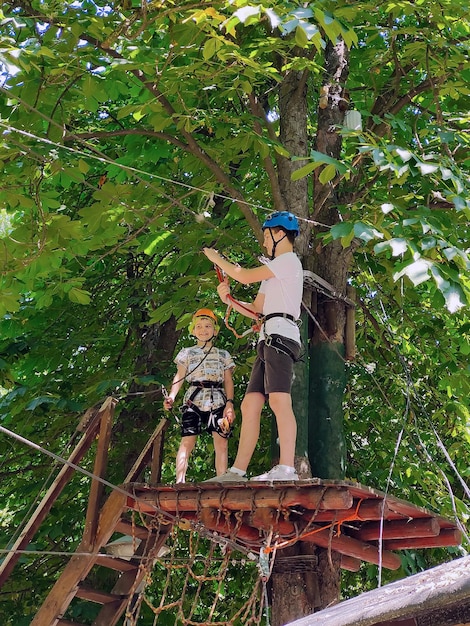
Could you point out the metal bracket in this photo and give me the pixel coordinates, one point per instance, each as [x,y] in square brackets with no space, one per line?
[313,281]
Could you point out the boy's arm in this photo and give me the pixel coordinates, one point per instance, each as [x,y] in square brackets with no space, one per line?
[178,381]
[229,410]
[240,274]
[250,310]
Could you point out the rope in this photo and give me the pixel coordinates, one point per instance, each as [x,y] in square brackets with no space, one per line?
[232,301]
[197,526]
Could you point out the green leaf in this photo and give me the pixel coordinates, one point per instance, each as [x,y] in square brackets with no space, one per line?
[327,174]
[343,229]
[211,47]
[246,12]
[366,232]
[417,271]
[79,296]
[305,170]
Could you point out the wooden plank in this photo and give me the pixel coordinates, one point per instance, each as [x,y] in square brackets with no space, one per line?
[444,585]
[126,527]
[352,547]
[144,457]
[360,511]
[157,456]
[447,537]
[94,595]
[269,519]
[399,529]
[51,495]
[120,565]
[214,520]
[350,563]
[131,582]
[238,500]
[101,462]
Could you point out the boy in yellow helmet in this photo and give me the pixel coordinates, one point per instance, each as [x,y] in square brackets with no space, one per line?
[208,401]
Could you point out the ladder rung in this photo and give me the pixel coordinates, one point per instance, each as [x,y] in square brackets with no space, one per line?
[133,530]
[100,597]
[120,565]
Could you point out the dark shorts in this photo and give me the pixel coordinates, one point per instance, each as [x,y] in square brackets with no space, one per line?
[194,421]
[273,370]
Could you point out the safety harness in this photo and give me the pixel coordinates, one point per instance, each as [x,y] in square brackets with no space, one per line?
[204,384]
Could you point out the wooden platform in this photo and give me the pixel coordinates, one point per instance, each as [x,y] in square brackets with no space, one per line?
[343,516]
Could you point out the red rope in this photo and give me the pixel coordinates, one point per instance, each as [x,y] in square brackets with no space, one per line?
[255,327]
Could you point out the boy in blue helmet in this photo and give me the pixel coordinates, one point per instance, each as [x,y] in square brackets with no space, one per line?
[278,301]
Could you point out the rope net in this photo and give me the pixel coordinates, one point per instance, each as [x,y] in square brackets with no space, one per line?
[190,580]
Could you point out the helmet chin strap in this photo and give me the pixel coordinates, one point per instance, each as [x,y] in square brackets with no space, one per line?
[273,251]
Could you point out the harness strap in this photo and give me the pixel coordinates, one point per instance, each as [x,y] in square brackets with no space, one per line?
[286,316]
[275,341]
[204,384]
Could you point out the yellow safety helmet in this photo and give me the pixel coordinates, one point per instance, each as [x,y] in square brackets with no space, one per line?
[204,313]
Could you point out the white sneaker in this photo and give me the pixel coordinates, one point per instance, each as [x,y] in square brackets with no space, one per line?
[278,472]
[228,477]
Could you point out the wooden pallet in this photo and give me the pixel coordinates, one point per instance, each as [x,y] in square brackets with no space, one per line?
[343,516]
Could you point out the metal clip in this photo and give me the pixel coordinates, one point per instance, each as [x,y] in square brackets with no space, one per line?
[263,564]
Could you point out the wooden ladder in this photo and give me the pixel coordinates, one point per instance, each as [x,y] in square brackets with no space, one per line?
[100,525]
[94,421]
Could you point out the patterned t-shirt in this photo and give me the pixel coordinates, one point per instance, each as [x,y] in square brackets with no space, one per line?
[205,365]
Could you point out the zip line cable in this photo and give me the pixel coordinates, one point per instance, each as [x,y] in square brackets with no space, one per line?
[101,157]
[419,402]
[212,535]
[409,395]
[137,557]
[43,487]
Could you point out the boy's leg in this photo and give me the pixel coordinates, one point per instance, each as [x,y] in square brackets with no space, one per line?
[182,457]
[279,363]
[251,408]
[281,406]
[221,453]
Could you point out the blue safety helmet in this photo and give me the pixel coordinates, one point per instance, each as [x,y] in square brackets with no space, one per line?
[283,219]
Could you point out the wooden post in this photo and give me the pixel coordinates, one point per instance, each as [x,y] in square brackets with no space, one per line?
[101,462]
[79,565]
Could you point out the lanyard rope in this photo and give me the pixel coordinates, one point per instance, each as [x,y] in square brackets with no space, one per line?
[256,327]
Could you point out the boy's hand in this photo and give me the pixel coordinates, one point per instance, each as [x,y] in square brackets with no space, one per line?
[168,403]
[212,254]
[229,412]
[223,290]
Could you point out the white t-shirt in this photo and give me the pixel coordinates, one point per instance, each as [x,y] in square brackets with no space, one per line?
[283,294]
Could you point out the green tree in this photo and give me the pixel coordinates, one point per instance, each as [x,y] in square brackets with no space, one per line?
[135,134]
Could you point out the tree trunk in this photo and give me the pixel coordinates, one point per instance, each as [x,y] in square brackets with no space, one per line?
[326,445]
[308,579]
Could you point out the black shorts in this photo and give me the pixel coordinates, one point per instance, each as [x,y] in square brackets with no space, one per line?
[194,421]
[273,369]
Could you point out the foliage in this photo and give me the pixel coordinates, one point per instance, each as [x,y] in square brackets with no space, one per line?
[134,134]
